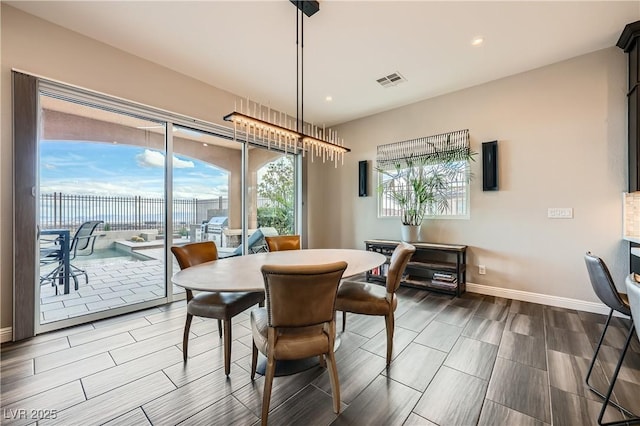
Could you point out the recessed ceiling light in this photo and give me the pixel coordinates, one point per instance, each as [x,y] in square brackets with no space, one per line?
[328,98]
[205,144]
[477,41]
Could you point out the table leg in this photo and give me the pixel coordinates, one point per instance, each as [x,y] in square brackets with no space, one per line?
[65,260]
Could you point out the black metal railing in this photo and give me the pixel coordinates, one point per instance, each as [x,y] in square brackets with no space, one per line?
[58,210]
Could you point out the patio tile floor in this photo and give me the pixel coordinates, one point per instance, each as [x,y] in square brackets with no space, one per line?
[112,283]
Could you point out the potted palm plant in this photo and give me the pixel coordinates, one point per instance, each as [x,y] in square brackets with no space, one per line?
[422,185]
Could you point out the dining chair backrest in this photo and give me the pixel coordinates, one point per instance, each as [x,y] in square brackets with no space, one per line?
[398,263]
[603,284]
[301,295]
[283,242]
[195,253]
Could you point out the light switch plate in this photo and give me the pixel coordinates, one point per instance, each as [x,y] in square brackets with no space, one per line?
[560,213]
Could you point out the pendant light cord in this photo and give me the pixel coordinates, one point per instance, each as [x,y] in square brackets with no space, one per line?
[299,72]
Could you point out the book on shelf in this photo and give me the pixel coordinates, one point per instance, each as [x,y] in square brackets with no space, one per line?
[439,276]
[443,284]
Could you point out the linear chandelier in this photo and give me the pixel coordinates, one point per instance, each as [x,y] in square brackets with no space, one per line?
[277,129]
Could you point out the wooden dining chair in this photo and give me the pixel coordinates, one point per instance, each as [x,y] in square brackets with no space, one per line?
[298,322]
[283,242]
[217,305]
[372,299]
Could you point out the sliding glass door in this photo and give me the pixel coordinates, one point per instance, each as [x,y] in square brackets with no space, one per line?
[101,210]
[271,190]
[107,186]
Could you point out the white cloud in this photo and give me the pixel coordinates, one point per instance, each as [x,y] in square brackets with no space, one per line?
[151,158]
[182,164]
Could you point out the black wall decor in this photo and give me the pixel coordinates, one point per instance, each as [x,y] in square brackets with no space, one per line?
[362,178]
[490,166]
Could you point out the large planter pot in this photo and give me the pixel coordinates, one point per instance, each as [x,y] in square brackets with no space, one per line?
[410,233]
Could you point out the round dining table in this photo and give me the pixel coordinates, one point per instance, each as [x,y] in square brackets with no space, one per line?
[242,273]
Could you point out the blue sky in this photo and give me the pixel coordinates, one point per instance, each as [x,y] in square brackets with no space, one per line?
[90,168]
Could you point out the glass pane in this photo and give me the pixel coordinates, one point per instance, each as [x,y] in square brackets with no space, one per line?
[101,210]
[271,195]
[207,193]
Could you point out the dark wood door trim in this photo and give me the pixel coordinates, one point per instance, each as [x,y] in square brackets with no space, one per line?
[25,151]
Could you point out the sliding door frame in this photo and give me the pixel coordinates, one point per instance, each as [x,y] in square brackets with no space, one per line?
[27,89]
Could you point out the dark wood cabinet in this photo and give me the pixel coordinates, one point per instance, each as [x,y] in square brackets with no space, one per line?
[630,42]
[437,267]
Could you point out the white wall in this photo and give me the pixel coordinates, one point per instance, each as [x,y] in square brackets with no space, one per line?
[561,134]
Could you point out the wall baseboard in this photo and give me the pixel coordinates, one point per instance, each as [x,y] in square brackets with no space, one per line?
[6,334]
[544,299]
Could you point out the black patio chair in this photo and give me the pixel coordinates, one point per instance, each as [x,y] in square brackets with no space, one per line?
[82,244]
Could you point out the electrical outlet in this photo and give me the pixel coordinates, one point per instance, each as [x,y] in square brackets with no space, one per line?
[482,270]
[560,213]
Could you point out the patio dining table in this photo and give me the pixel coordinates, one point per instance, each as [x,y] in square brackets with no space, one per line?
[63,236]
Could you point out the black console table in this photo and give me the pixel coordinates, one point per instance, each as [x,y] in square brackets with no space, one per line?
[437,267]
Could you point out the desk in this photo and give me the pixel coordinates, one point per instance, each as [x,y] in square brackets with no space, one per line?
[242,273]
[64,237]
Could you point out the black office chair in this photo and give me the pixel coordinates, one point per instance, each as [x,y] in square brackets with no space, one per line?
[607,292]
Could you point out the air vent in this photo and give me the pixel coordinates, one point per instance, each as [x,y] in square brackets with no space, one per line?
[391,80]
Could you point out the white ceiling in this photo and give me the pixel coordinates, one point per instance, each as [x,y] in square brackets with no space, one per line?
[248,47]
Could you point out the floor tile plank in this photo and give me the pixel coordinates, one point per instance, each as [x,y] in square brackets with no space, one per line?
[439,335]
[135,417]
[485,330]
[452,398]
[226,411]
[401,339]
[455,315]
[493,311]
[309,403]
[526,350]
[182,403]
[570,342]
[114,403]
[403,369]
[525,324]
[384,402]
[520,388]
[114,377]
[355,372]
[53,378]
[76,353]
[494,414]
[573,410]
[12,371]
[136,350]
[568,373]
[58,399]
[472,357]
[282,389]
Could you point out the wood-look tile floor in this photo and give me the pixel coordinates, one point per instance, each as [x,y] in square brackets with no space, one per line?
[457,361]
